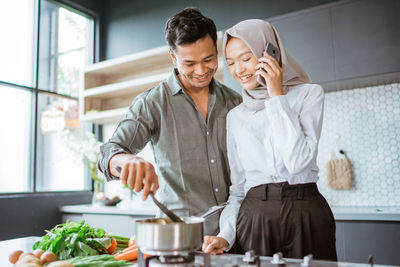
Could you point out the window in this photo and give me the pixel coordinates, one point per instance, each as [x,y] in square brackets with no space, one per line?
[40,77]
[67,48]
[17,46]
[15,139]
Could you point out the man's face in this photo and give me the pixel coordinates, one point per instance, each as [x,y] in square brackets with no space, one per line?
[196,63]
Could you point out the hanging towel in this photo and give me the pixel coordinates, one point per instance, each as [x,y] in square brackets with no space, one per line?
[339,173]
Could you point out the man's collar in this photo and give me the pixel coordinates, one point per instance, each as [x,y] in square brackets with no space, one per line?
[173,82]
[176,86]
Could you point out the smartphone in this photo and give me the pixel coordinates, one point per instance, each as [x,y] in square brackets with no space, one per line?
[275,53]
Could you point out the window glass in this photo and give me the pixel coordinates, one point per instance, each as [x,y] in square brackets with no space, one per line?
[70,68]
[59,139]
[15,117]
[72,29]
[17,45]
[49,159]
[66,48]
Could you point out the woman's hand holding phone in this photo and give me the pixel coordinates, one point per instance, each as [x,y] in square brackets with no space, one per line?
[269,68]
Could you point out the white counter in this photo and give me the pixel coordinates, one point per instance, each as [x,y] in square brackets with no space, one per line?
[88,208]
[350,213]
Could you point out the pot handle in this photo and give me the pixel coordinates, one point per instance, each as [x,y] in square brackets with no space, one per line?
[214,209]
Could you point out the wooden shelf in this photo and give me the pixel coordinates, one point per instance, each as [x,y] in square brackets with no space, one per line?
[110,86]
[104,117]
[130,86]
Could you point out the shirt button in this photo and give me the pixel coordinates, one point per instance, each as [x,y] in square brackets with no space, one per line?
[212,161]
[208,133]
[216,190]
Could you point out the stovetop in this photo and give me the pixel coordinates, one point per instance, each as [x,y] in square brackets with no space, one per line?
[198,259]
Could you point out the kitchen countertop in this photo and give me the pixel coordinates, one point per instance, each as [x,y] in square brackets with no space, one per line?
[8,246]
[354,213]
[25,244]
[341,213]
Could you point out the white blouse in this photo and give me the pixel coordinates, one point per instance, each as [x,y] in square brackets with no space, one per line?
[273,145]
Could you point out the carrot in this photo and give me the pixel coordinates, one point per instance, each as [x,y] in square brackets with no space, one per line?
[130,248]
[127,256]
[113,246]
[132,241]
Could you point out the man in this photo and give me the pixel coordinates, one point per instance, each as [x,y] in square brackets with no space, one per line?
[183,118]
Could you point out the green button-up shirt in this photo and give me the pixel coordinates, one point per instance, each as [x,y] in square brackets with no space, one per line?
[189,151]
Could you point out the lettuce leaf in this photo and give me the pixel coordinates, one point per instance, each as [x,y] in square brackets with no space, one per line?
[74,239]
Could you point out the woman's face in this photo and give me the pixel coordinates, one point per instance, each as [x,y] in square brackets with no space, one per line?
[241,63]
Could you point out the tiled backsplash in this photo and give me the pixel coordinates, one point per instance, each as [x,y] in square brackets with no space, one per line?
[365,123]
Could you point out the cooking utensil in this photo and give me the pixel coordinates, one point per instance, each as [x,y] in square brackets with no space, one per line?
[163,208]
[162,236]
[167,212]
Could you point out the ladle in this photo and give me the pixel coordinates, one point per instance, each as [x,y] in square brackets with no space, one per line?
[164,209]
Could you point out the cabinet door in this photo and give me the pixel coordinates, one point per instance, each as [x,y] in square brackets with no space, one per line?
[123,225]
[364,238]
[308,38]
[114,224]
[366,38]
[72,217]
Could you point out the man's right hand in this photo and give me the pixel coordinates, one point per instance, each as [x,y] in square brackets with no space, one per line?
[136,173]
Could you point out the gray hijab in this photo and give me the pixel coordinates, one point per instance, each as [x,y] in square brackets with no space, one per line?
[256,34]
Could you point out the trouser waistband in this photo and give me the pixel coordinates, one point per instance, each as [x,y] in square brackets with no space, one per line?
[283,190]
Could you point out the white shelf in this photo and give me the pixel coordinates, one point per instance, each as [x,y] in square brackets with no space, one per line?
[111,86]
[130,86]
[131,61]
[104,117]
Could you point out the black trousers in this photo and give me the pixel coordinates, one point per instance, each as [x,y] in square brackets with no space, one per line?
[293,219]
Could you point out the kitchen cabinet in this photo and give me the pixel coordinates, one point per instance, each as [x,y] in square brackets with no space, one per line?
[370,230]
[114,220]
[110,86]
[345,44]
[357,240]
[308,37]
[366,38]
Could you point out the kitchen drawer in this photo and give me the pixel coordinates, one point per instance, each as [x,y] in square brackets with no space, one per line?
[123,225]
[72,217]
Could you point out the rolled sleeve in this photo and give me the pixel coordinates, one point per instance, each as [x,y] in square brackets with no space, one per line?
[130,136]
[108,150]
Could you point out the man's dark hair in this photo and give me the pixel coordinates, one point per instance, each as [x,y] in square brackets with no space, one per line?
[187,27]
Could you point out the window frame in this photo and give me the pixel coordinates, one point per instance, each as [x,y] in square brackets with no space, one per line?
[35,90]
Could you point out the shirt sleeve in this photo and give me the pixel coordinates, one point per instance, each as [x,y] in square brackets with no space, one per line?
[295,136]
[130,136]
[229,215]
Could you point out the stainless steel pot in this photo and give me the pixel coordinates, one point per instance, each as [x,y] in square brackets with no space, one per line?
[162,236]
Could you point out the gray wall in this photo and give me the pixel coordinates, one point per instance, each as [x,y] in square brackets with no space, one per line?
[133,26]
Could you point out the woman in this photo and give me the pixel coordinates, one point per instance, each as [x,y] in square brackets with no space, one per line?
[272,138]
